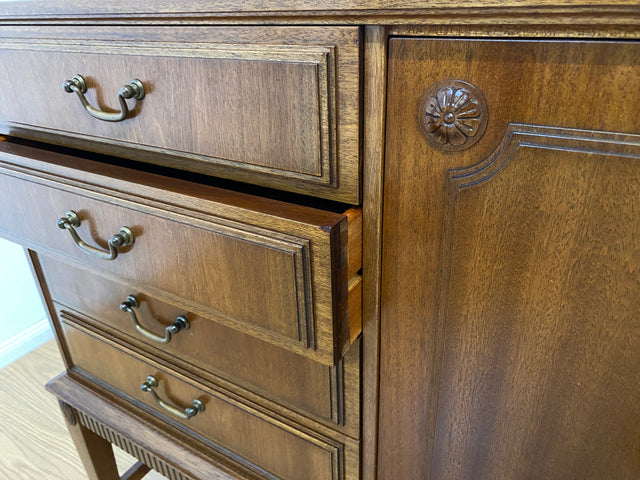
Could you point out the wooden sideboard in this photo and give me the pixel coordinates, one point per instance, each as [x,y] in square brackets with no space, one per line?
[334,241]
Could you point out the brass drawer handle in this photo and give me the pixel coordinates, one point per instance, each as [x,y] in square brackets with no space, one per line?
[180,324]
[121,239]
[186,413]
[133,90]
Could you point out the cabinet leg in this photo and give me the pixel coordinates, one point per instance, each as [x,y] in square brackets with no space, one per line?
[95,452]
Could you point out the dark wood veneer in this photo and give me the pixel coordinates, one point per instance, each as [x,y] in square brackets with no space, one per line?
[511,298]
[497,282]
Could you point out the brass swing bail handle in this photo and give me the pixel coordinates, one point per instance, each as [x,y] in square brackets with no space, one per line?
[133,90]
[179,325]
[123,238]
[186,413]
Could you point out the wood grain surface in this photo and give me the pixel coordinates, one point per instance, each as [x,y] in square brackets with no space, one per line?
[210,265]
[261,439]
[509,318]
[275,107]
[375,70]
[404,11]
[34,440]
[207,347]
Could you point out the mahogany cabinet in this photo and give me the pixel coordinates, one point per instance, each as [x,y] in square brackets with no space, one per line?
[305,240]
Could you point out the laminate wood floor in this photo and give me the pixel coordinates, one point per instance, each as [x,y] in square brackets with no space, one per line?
[34,442]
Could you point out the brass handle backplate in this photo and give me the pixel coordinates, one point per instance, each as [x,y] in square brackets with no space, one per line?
[133,89]
[121,239]
[179,325]
[186,413]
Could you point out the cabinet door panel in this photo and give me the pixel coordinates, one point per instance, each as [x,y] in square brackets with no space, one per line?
[510,328]
[540,327]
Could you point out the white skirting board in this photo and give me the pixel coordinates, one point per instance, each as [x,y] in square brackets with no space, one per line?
[26,341]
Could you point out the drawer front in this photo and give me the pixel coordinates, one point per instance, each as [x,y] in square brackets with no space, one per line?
[277,278]
[240,105]
[206,346]
[264,441]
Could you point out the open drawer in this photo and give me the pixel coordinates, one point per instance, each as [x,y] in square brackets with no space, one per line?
[278,271]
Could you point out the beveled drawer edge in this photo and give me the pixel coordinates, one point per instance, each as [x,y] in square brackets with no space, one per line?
[175,300]
[335,446]
[49,168]
[298,249]
[317,434]
[202,373]
[196,214]
[323,57]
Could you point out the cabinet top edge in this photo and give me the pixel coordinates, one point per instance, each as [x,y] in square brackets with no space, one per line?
[320,11]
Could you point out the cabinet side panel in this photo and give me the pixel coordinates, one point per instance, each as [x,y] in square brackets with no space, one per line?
[555,235]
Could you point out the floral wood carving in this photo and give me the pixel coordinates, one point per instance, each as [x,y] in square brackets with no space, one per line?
[453,115]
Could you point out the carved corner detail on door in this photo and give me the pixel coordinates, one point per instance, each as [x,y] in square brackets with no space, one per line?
[518,136]
[453,115]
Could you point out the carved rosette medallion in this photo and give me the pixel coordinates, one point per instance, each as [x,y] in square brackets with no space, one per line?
[453,115]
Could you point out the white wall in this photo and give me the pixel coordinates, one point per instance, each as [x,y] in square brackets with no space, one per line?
[23,323]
